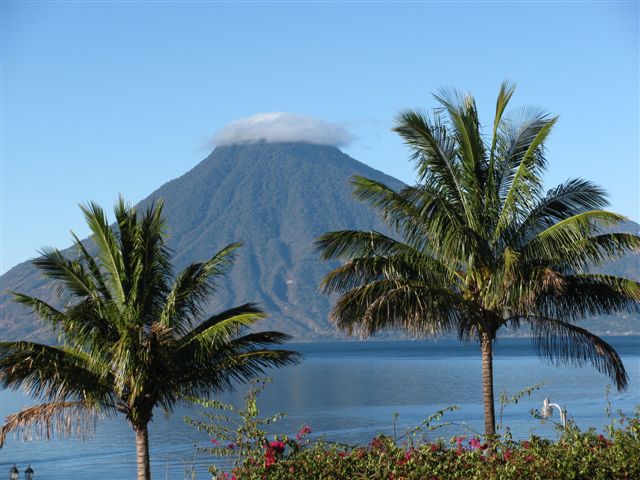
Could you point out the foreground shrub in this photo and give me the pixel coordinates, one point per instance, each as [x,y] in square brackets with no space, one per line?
[577,455]
[613,454]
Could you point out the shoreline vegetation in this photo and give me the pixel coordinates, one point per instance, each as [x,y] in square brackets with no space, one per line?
[417,453]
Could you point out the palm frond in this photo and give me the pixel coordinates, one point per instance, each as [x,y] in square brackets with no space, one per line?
[43,421]
[582,255]
[571,198]
[471,150]
[521,179]
[240,360]
[192,288]
[558,238]
[152,260]
[51,315]
[415,212]
[391,304]
[437,218]
[254,363]
[586,295]
[434,151]
[425,222]
[356,243]
[54,373]
[363,270]
[583,223]
[492,199]
[517,287]
[220,329]
[73,277]
[109,253]
[563,342]
[504,96]
[128,229]
[82,322]
[599,250]
[93,266]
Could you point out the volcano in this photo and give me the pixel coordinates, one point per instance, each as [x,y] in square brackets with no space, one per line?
[275,198]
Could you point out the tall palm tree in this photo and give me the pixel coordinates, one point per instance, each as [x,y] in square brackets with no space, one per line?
[482,246]
[131,332]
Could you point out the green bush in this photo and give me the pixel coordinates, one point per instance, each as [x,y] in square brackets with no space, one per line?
[612,455]
[577,455]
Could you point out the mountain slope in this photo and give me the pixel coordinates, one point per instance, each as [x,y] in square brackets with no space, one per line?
[276,198]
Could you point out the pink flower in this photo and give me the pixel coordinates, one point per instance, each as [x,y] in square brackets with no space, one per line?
[526,445]
[273,450]
[269,458]
[277,446]
[215,441]
[434,447]
[507,455]
[304,431]
[231,446]
[475,443]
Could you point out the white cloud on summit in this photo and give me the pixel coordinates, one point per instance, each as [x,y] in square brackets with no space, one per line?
[282,127]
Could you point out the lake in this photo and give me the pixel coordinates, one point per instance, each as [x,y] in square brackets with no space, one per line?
[347,392]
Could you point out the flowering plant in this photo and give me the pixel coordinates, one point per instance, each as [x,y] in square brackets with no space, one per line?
[238,432]
[578,455]
[413,456]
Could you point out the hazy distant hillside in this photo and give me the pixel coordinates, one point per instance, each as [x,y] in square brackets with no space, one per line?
[627,267]
[277,199]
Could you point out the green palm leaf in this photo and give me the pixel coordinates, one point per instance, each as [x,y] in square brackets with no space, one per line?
[193,286]
[562,342]
[55,373]
[109,253]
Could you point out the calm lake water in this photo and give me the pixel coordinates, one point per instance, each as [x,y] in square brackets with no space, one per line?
[346,392]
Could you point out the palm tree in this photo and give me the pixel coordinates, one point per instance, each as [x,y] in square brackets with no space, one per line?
[132,340]
[482,245]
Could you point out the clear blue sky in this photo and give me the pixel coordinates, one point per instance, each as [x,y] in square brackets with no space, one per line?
[101,98]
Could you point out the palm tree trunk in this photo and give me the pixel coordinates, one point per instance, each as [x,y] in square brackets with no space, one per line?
[486,345]
[142,448]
